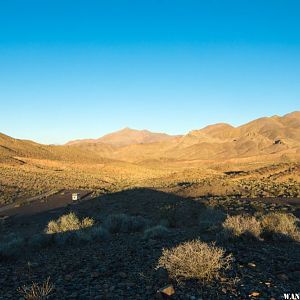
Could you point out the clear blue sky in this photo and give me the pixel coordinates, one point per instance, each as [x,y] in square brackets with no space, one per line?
[80,69]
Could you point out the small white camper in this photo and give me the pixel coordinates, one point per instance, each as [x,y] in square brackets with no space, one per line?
[75,196]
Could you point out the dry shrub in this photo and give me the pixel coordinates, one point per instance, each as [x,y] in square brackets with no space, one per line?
[241,226]
[211,218]
[195,260]
[11,246]
[97,233]
[68,222]
[174,215]
[66,238]
[156,232]
[37,291]
[38,241]
[278,226]
[87,222]
[123,223]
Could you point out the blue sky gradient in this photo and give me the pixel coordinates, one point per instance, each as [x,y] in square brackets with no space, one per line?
[80,69]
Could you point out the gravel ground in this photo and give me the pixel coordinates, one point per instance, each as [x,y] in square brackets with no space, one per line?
[124,267]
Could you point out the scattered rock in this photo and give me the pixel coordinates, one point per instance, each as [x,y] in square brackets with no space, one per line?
[95,274]
[254,294]
[68,277]
[167,290]
[251,265]
[282,276]
[295,276]
[294,266]
[123,275]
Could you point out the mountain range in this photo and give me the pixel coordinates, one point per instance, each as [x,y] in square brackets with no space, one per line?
[127,136]
[274,136]
[264,136]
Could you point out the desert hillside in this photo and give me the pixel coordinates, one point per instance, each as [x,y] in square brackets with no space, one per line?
[132,158]
[149,150]
[275,136]
[127,136]
[150,207]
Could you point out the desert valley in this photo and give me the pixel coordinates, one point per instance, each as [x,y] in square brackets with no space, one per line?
[267,149]
[212,214]
[149,150]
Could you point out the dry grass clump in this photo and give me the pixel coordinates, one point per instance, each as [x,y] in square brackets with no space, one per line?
[174,214]
[211,218]
[156,232]
[11,246]
[91,234]
[280,226]
[68,222]
[124,223]
[64,233]
[241,226]
[195,260]
[97,233]
[38,241]
[37,291]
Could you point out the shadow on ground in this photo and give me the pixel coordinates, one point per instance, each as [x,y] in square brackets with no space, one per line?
[124,267]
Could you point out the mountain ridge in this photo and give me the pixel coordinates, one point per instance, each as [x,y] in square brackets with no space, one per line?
[276,135]
[127,136]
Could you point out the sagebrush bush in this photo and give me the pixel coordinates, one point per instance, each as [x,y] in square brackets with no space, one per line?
[11,246]
[211,218]
[174,215]
[124,223]
[99,233]
[277,226]
[82,236]
[87,222]
[38,241]
[65,238]
[37,291]
[195,260]
[95,233]
[68,222]
[241,226]
[156,232]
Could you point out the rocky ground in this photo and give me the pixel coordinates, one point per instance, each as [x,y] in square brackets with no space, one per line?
[124,266]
